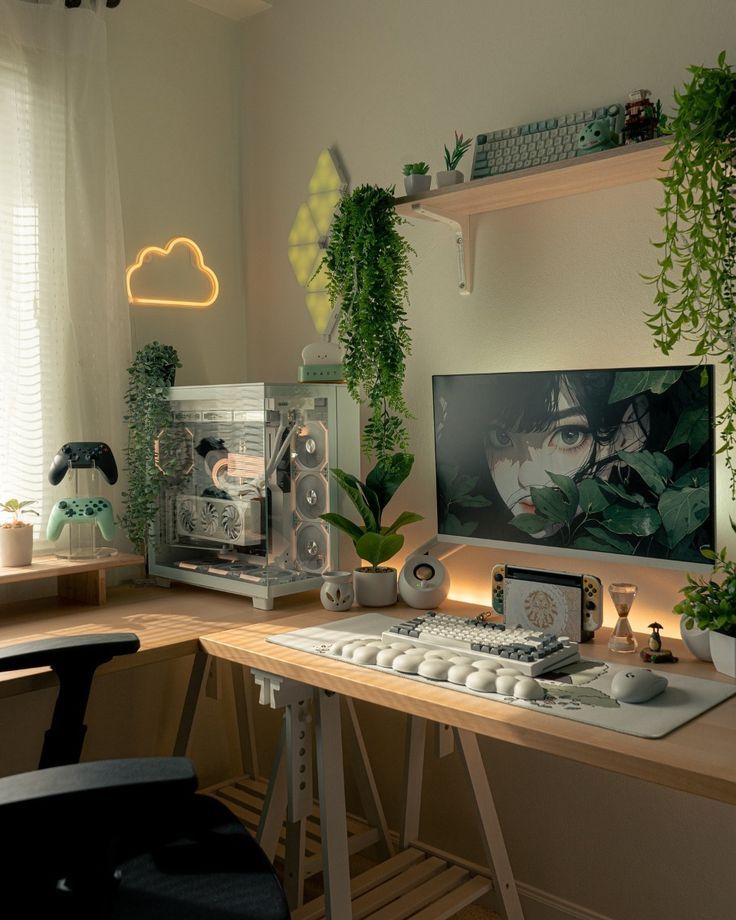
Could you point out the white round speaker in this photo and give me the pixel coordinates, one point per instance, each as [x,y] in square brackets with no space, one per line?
[423,582]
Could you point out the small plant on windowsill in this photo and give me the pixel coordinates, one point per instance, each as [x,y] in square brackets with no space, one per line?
[451,175]
[416,178]
[16,536]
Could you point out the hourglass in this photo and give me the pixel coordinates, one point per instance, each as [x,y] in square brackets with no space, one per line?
[622,638]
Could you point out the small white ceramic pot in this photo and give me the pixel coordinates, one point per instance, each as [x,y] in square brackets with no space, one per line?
[416,184]
[337,592]
[697,641]
[375,589]
[16,546]
[723,650]
[449,177]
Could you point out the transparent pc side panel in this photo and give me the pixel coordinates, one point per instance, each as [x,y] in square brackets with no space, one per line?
[244,479]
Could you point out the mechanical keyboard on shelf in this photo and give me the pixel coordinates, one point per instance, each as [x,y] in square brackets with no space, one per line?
[529,651]
[539,142]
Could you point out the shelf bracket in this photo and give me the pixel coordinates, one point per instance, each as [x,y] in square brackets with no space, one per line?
[464,231]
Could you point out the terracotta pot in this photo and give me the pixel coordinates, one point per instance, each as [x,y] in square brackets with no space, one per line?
[375,588]
[16,546]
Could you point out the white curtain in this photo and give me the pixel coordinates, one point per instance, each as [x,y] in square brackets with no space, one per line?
[64,322]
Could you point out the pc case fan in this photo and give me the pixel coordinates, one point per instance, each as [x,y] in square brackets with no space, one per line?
[232,523]
[185,523]
[310,447]
[310,495]
[208,518]
[311,547]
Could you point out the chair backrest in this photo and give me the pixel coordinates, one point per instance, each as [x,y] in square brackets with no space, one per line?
[74,660]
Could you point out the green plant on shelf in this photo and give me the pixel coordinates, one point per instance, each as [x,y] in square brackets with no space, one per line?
[17,508]
[710,603]
[416,169]
[453,157]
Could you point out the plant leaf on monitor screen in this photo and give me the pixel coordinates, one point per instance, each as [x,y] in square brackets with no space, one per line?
[598,539]
[459,528]
[617,492]
[683,511]
[591,497]
[641,522]
[457,489]
[632,383]
[692,428]
[551,503]
[569,489]
[654,468]
[694,478]
[530,523]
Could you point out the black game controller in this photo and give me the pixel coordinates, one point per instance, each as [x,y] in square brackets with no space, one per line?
[83,455]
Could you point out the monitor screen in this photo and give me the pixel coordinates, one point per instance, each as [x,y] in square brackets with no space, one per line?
[616,461]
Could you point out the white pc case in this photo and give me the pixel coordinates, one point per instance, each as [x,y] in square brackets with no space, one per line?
[244,478]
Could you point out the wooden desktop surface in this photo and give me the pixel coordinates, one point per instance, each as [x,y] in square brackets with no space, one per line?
[699,757]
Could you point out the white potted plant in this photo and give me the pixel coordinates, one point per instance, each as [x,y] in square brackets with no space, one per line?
[16,536]
[375,584]
[710,604]
[416,180]
[451,175]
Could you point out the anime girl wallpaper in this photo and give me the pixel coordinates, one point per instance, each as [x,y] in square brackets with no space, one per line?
[613,461]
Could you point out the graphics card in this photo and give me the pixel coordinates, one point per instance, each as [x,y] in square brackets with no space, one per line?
[219,520]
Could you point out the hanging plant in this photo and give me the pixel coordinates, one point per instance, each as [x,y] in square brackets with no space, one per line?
[694,284]
[367,265]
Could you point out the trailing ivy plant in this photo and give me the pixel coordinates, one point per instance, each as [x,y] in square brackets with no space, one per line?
[695,295]
[367,266]
[147,398]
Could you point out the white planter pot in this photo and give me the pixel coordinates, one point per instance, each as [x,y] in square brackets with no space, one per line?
[337,592]
[723,650]
[696,640]
[16,546]
[449,177]
[375,589]
[416,184]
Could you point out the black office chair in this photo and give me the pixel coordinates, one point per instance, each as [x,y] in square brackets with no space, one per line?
[119,839]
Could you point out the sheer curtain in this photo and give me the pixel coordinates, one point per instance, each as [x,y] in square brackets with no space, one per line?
[64,325]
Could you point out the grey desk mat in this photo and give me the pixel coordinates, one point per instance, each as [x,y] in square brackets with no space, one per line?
[579,692]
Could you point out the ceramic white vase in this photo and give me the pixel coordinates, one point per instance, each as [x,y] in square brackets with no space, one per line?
[723,650]
[337,592]
[449,177]
[697,641]
[16,546]
[416,184]
[375,589]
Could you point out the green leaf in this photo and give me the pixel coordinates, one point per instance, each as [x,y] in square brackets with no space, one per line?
[683,511]
[377,548]
[641,522]
[590,496]
[694,478]
[598,539]
[454,526]
[473,501]
[693,429]
[617,492]
[344,524]
[654,468]
[551,503]
[530,523]
[387,475]
[569,489]
[353,489]
[631,383]
[406,517]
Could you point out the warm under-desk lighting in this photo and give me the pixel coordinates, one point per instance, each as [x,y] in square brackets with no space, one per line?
[197,259]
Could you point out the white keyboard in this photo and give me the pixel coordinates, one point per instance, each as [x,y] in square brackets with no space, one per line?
[528,651]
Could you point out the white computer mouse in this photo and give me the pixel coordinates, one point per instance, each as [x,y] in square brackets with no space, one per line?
[637,685]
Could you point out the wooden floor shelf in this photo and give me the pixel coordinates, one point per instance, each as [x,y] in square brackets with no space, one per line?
[81,580]
[416,883]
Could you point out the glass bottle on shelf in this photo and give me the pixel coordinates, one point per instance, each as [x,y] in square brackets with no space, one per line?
[622,638]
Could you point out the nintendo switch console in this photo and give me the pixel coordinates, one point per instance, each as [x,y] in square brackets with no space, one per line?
[557,602]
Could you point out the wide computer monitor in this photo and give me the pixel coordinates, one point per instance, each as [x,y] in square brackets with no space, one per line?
[595,462]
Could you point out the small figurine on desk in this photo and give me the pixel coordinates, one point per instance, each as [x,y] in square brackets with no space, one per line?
[655,653]
[596,136]
[643,118]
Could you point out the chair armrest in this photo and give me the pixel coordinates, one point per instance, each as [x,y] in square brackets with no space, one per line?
[56,651]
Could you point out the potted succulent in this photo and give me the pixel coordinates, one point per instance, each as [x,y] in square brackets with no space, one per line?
[697,255]
[376,543]
[451,175]
[710,604]
[416,180]
[147,398]
[16,536]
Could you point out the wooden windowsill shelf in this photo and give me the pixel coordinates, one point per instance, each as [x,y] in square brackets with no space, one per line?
[458,205]
[82,580]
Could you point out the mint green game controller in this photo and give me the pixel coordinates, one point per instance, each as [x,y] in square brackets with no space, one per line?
[81,511]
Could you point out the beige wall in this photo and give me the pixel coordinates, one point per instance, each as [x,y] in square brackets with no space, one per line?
[557,286]
[174,90]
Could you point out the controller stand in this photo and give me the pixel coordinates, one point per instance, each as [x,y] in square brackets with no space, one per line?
[83,541]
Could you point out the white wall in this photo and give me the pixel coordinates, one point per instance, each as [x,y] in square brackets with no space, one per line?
[174,93]
[557,286]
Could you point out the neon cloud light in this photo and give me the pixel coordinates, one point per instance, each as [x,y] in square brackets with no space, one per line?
[148,252]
